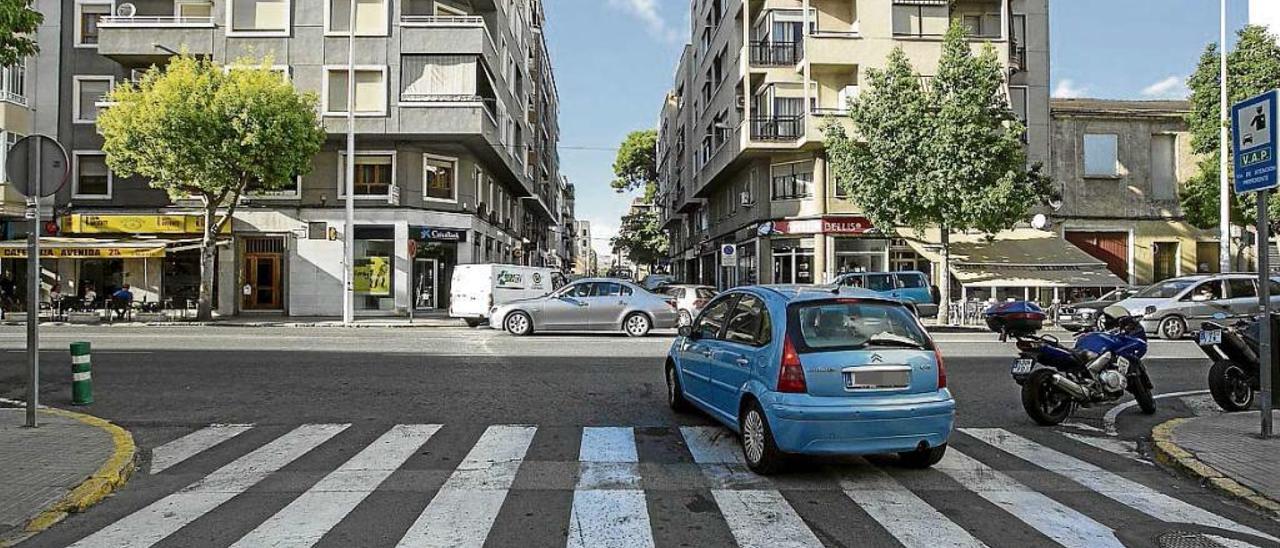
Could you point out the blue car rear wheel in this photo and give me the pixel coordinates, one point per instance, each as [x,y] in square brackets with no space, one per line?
[758,446]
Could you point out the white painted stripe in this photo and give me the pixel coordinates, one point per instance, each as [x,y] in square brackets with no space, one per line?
[81,376]
[609,518]
[904,515]
[1230,542]
[463,511]
[165,516]
[762,518]
[305,520]
[608,459]
[1118,488]
[1056,521]
[79,360]
[712,445]
[193,444]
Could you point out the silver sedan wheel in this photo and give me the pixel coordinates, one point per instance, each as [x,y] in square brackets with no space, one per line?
[753,436]
[637,325]
[518,323]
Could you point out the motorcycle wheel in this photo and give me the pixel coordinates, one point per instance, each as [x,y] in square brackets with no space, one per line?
[1043,402]
[1230,387]
[1146,402]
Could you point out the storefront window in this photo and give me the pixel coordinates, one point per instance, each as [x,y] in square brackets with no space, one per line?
[747,264]
[792,262]
[860,255]
[374,274]
[182,277]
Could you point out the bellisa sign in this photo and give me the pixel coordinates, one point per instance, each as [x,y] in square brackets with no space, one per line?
[846,224]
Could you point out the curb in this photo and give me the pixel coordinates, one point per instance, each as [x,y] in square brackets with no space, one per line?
[109,477]
[423,325]
[1173,456]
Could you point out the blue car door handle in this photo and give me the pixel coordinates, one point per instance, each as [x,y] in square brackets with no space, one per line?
[742,362]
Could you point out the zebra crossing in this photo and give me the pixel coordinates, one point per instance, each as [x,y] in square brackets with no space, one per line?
[990,490]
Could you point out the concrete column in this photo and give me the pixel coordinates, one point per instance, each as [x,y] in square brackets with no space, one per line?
[403,269]
[820,264]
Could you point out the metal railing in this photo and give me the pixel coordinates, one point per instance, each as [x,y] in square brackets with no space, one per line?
[151,21]
[11,97]
[407,20]
[776,54]
[777,128]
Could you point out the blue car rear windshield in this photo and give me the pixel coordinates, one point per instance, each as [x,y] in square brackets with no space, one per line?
[851,324]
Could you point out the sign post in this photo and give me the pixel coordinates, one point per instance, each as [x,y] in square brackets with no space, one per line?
[1253,130]
[37,167]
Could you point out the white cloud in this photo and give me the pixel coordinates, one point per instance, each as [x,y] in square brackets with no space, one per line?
[1068,89]
[1173,87]
[647,12]
[602,230]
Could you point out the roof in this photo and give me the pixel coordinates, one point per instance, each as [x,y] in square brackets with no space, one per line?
[1119,107]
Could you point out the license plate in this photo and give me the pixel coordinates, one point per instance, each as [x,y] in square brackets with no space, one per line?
[894,379]
[1210,337]
[1022,366]
[1122,365]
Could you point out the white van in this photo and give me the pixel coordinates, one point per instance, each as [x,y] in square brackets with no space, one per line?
[477,288]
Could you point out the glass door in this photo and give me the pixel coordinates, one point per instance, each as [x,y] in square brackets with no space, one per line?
[426,292]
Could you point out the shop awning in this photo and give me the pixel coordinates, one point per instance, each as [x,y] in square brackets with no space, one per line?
[86,248]
[1015,258]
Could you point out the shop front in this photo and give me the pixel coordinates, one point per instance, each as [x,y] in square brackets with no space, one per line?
[435,253]
[373,277]
[809,251]
[87,270]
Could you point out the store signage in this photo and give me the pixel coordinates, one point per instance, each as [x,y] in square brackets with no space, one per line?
[135,224]
[432,234]
[825,225]
[372,276]
[55,252]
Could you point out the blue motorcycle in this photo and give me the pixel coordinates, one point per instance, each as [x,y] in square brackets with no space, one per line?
[1099,368]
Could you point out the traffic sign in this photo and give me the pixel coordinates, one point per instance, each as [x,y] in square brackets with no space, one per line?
[37,166]
[728,255]
[1253,130]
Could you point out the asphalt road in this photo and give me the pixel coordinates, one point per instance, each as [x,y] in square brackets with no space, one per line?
[579,398]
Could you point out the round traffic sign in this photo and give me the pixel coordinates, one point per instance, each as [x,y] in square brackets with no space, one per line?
[37,166]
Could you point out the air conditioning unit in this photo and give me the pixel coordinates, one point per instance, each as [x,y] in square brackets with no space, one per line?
[745,199]
[742,102]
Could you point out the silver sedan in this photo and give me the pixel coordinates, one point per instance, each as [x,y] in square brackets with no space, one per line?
[590,304]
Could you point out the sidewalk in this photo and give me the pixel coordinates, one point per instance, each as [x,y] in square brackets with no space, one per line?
[1225,452]
[70,462]
[439,319]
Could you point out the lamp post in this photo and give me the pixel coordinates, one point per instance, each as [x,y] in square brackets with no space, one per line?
[349,233]
[1224,188]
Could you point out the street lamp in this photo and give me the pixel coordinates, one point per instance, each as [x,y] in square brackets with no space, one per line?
[349,236]
[1224,189]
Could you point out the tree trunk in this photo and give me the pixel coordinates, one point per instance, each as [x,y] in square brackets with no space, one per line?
[208,252]
[944,285]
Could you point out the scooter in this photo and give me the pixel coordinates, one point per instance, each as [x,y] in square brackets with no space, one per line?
[1234,377]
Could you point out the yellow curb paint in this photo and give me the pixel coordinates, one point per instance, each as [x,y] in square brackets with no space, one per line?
[110,476]
[1170,454]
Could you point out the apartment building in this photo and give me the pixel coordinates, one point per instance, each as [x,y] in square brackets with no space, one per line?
[456,133]
[740,149]
[584,256]
[1120,165]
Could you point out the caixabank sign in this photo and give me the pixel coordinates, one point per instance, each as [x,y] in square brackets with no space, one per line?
[436,234]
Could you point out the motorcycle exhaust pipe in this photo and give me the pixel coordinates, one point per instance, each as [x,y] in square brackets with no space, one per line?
[1072,389]
[1098,363]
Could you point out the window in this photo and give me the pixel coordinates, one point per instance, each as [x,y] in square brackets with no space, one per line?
[840,191]
[448,11]
[371,17]
[89,90]
[1018,102]
[87,17]
[258,16]
[13,83]
[750,323]
[1210,291]
[911,281]
[606,289]
[194,10]
[985,25]
[9,139]
[371,91]
[920,20]
[712,319]
[91,177]
[1101,155]
[792,181]
[853,325]
[1241,288]
[1164,176]
[375,172]
[880,282]
[439,178]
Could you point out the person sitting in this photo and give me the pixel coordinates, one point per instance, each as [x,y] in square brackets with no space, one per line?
[121,301]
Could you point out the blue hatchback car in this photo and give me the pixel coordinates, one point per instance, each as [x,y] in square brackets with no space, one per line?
[804,370]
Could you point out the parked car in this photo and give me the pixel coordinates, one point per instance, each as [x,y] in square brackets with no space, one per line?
[475,289]
[801,370]
[689,299]
[910,286]
[1168,308]
[589,304]
[1088,314]
[654,281]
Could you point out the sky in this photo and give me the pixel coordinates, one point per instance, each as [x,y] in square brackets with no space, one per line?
[614,62]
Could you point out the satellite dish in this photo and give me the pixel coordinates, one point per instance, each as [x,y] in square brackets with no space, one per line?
[126,10]
[1055,203]
[1039,221]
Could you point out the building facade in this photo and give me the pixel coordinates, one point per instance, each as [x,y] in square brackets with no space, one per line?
[1121,165]
[584,256]
[456,133]
[740,146]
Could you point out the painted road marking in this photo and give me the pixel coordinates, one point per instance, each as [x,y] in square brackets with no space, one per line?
[1109,419]
[609,509]
[465,507]
[305,520]
[1120,489]
[904,515]
[193,444]
[165,516]
[1056,521]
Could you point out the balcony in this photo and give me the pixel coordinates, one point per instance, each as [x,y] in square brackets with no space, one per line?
[777,128]
[776,54]
[139,39]
[444,35]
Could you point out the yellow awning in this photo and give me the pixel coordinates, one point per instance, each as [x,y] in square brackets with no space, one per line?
[1020,257]
[85,248]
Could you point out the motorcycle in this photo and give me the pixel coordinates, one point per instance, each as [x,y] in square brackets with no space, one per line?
[1099,368]
[1234,377]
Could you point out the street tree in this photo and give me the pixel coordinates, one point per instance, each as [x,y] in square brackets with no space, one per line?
[641,237]
[635,167]
[204,133]
[18,23]
[948,155]
[1252,68]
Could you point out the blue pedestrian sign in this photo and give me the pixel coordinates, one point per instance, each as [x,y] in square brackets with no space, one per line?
[1253,131]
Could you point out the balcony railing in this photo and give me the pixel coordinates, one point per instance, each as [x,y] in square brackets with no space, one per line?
[776,54]
[154,21]
[11,97]
[441,21]
[777,128]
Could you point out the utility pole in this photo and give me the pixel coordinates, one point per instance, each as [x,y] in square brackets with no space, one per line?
[1224,187]
[349,232]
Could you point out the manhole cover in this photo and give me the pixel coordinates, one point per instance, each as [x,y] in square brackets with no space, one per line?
[1184,539]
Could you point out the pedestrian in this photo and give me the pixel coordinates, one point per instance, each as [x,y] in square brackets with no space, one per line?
[55,298]
[8,291]
[90,296]
[121,301]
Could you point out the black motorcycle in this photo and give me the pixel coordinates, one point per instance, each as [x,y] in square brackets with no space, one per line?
[1235,376]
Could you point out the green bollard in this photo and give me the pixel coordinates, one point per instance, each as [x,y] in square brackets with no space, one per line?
[81,376]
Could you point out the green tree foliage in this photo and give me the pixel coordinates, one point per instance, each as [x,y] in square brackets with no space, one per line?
[635,167]
[198,131]
[18,22]
[641,237]
[948,156]
[1252,68]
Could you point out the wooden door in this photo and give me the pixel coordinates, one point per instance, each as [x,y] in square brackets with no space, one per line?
[262,285]
[1109,247]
